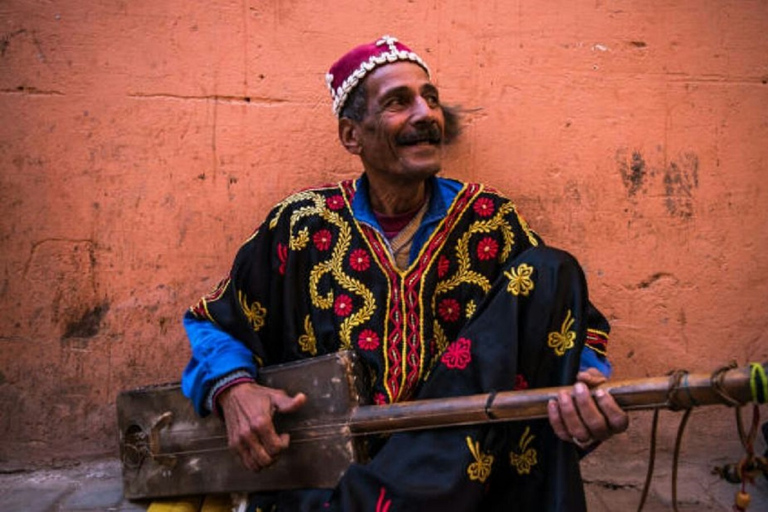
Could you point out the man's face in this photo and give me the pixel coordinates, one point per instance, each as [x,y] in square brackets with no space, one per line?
[401,136]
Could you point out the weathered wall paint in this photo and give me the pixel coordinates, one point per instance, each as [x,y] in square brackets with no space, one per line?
[142,141]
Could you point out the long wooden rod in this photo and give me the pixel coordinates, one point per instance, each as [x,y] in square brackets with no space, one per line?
[685,391]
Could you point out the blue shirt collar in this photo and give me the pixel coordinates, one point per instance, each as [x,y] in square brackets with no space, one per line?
[437,209]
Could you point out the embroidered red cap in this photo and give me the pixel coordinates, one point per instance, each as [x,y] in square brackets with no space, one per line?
[350,70]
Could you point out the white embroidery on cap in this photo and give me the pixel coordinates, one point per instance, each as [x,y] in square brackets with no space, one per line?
[342,92]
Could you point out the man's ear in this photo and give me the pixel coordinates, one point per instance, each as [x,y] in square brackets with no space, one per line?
[349,135]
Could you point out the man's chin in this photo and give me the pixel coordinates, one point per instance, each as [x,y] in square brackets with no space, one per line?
[426,163]
[422,173]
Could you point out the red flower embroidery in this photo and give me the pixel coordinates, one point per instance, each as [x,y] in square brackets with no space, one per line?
[484,207]
[322,240]
[487,248]
[520,382]
[442,266]
[449,310]
[368,340]
[379,399]
[458,355]
[383,505]
[343,305]
[282,254]
[359,260]
[335,202]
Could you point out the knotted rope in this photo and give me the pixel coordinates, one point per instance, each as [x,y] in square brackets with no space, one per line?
[749,466]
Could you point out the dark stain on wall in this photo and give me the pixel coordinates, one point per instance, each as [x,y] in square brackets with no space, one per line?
[675,181]
[5,40]
[88,325]
[680,180]
[633,173]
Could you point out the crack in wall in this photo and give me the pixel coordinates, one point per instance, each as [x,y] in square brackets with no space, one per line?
[36,246]
[608,484]
[211,97]
[32,91]
[5,40]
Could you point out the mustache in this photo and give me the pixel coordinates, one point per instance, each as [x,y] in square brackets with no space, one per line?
[430,134]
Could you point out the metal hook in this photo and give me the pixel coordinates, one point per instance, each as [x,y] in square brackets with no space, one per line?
[162,422]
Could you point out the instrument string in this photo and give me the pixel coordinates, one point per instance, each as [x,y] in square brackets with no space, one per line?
[346,428]
[314,437]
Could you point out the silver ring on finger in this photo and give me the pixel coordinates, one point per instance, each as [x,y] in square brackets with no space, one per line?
[583,444]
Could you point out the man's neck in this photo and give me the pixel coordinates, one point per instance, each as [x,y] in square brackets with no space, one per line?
[396,198]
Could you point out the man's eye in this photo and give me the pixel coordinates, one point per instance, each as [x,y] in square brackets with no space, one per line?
[432,100]
[394,102]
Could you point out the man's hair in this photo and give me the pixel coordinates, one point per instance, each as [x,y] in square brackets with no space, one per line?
[357,103]
[356,107]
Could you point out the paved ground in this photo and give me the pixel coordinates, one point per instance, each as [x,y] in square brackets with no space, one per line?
[612,486]
[616,487]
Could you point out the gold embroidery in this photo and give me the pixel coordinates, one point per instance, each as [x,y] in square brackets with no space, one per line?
[300,241]
[527,458]
[520,282]
[471,308]
[200,310]
[464,273]
[563,340]
[441,340]
[528,231]
[479,470]
[332,266]
[255,313]
[596,333]
[307,341]
[295,198]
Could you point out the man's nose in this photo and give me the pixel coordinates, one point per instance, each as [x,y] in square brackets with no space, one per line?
[423,111]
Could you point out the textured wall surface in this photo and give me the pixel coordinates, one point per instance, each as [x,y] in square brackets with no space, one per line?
[142,141]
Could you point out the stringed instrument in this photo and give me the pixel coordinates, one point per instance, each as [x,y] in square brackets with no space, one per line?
[167,450]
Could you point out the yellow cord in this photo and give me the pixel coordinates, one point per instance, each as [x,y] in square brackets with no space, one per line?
[759,383]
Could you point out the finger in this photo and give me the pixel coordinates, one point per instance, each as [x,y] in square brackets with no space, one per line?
[259,456]
[570,415]
[267,441]
[617,418]
[590,413]
[592,377]
[240,444]
[287,404]
[555,420]
[248,460]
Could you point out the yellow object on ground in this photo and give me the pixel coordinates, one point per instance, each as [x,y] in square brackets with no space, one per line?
[210,503]
[191,504]
[217,503]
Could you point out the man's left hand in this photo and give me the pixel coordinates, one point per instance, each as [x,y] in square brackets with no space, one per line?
[580,418]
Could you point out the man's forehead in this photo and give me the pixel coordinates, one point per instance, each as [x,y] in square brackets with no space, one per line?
[397,75]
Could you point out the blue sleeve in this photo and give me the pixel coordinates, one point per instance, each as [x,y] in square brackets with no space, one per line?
[215,354]
[590,359]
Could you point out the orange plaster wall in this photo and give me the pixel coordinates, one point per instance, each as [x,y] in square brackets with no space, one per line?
[142,141]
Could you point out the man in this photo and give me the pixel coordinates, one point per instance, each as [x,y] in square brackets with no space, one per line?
[441,289]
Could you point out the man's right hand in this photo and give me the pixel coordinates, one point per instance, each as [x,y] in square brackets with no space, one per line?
[248,410]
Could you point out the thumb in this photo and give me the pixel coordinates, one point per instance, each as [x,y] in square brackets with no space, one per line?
[284,403]
[592,377]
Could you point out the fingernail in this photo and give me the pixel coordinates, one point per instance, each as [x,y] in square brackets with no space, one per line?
[600,393]
[581,388]
[552,404]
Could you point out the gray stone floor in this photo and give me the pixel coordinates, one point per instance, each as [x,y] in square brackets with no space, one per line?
[612,486]
[89,486]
